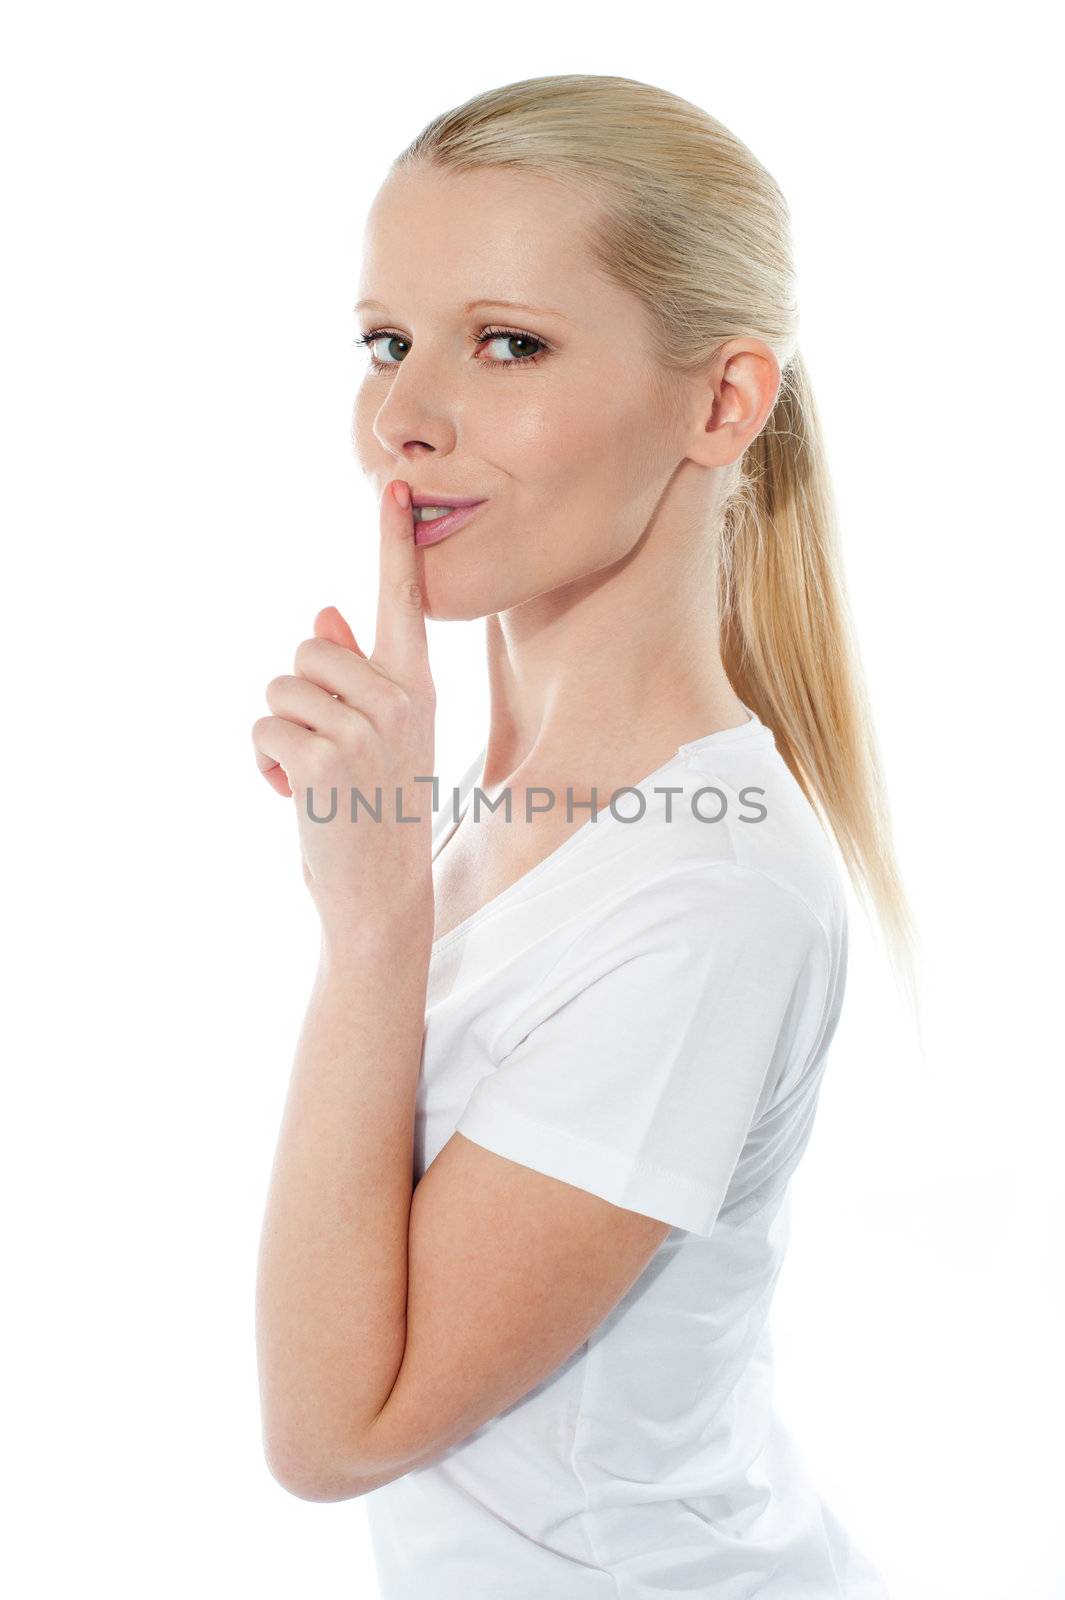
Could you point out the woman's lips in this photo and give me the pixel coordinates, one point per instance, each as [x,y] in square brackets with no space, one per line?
[439,528]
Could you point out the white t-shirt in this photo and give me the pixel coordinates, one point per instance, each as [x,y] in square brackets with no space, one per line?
[645,1015]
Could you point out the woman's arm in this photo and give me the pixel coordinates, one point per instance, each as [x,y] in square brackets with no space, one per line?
[391,1325]
[331,1292]
[331,1296]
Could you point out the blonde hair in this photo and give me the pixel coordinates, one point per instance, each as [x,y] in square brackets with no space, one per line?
[683,216]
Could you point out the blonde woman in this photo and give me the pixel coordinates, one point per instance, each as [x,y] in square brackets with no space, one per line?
[568,1029]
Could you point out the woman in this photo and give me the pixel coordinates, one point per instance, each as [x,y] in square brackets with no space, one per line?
[564,1049]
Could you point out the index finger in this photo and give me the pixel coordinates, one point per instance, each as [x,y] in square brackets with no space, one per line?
[401,645]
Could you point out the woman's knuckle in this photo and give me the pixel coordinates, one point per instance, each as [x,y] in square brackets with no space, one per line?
[306,652]
[398,706]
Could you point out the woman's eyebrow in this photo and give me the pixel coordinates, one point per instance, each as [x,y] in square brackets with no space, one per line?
[472,305]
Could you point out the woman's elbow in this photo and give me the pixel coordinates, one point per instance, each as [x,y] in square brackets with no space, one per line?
[309,1479]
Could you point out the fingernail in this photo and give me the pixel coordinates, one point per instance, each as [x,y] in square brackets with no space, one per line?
[401,493]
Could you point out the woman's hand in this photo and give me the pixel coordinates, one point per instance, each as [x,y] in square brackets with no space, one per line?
[347,720]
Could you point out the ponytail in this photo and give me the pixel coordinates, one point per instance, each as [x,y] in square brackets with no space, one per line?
[787,645]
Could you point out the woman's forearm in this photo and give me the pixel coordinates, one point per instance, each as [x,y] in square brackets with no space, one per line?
[331,1294]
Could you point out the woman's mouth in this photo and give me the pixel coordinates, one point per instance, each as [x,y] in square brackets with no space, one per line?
[430,526]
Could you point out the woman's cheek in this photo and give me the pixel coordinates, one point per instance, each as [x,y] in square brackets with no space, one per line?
[364,442]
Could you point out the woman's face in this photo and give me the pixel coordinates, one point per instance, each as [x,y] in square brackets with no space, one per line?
[572,449]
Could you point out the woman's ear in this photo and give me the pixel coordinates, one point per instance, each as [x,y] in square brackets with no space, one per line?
[733,402]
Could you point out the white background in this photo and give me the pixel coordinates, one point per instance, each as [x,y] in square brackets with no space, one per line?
[183,197]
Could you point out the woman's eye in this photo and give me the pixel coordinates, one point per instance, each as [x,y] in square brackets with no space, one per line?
[387,339]
[507,340]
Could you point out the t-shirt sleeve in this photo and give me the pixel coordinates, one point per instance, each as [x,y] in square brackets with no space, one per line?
[657,1039]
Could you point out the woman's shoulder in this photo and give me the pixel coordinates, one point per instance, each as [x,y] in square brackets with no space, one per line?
[715,834]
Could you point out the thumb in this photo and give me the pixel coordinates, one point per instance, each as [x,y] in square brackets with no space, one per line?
[329,624]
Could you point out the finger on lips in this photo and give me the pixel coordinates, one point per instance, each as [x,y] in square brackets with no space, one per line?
[401,644]
[332,674]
